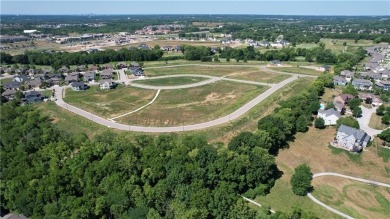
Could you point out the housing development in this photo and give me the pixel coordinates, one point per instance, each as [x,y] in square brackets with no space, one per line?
[194,116]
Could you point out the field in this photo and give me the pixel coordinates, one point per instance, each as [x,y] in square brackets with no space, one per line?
[199,104]
[330,94]
[376,122]
[336,45]
[109,103]
[170,81]
[359,200]
[260,76]
[312,148]
[297,70]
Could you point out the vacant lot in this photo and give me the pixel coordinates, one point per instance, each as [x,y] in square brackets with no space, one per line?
[336,45]
[359,200]
[190,106]
[202,70]
[312,148]
[171,81]
[297,70]
[260,76]
[109,103]
[376,122]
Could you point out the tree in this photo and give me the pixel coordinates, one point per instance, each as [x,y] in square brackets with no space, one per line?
[380,111]
[386,119]
[348,121]
[357,111]
[354,103]
[301,180]
[301,124]
[329,105]
[319,123]
[385,135]
[349,89]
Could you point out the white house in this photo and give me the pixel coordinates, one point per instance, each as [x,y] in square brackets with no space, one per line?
[330,116]
[351,139]
[106,84]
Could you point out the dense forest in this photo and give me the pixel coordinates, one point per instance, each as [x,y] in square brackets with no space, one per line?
[50,173]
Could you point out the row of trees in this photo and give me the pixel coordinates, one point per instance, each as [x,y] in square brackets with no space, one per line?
[59,59]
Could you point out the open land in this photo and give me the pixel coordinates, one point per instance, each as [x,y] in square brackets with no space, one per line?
[109,103]
[171,81]
[189,106]
[297,70]
[259,76]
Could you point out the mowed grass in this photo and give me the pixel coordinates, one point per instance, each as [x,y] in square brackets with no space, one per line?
[356,199]
[376,122]
[193,105]
[312,148]
[171,81]
[70,122]
[336,45]
[297,70]
[260,76]
[109,103]
[198,69]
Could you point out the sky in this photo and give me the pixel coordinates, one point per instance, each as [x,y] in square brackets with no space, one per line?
[261,7]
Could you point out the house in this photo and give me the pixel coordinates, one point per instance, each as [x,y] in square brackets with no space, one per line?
[74,74]
[264,44]
[106,84]
[134,64]
[106,74]
[21,70]
[362,84]
[93,68]
[143,46]
[107,66]
[89,76]
[34,83]
[80,68]
[347,75]
[63,69]
[77,86]
[9,94]
[10,70]
[341,100]
[137,71]
[71,79]
[13,85]
[351,139]
[20,78]
[337,80]
[326,67]
[33,97]
[330,116]
[384,85]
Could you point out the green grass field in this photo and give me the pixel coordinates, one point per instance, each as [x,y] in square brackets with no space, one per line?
[336,45]
[109,103]
[376,122]
[203,70]
[193,105]
[260,76]
[171,81]
[297,70]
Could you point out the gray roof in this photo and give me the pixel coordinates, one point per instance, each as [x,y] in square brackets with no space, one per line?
[77,84]
[338,78]
[71,78]
[105,80]
[358,134]
[107,72]
[330,112]
[361,81]
[8,92]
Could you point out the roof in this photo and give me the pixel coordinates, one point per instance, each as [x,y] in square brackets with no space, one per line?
[34,82]
[346,72]
[358,134]
[330,112]
[8,92]
[105,81]
[77,84]
[106,72]
[89,74]
[11,84]
[338,78]
[32,93]
[71,78]
[346,96]
[361,81]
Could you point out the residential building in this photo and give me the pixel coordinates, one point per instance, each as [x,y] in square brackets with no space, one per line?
[351,139]
[362,84]
[12,85]
[34,83]
[20,78]
[330,116]
[137,71]
[337,80]
[341,100]
[384,85]
[78,86]
[89,76]
[33,97]
[348,75]
[106,74]
[9,94]
[71,79]
[106,84]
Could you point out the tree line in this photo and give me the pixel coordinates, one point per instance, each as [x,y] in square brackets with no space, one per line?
[59,59]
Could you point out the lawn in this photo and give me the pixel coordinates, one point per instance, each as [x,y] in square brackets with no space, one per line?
[260,76]
[353,198]
[193,105]
[198,69]
[171,81]
[376,122]
[109,103]
[336,45]
[70,122]
[297,70]
[312,148]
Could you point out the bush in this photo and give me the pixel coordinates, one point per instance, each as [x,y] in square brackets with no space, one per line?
[319,123]
[380,111]
[348,121]
[385,135]
[301,180]
[206,59]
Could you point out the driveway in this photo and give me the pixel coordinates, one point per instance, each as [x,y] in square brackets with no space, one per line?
[365,119]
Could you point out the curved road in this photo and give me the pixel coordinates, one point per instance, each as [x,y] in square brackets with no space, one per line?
[239,112]
[371,182]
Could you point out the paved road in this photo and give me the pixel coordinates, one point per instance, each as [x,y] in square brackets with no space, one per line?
[255,203]
[365,119]
[239,112]
[371,182]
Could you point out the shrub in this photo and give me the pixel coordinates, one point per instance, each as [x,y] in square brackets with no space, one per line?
[319,123]
[301,180]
